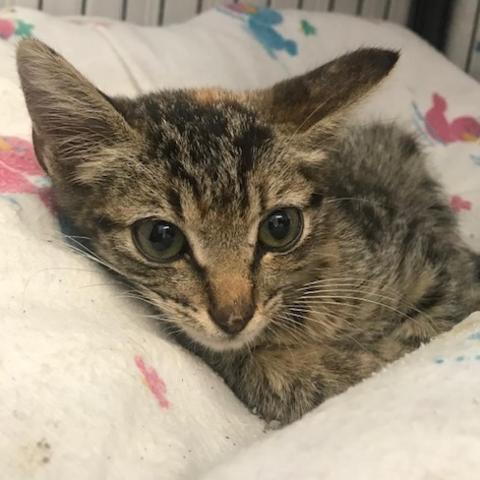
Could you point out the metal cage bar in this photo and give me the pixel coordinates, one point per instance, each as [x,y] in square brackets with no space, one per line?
[473,37]
[431,19]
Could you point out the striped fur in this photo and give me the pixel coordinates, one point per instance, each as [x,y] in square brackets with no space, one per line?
[379,267]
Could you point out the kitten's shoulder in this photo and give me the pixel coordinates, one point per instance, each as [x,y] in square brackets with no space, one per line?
[388,140]
[386,152]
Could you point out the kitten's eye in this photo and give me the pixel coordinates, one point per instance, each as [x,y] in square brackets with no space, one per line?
[281,229]
[158,240]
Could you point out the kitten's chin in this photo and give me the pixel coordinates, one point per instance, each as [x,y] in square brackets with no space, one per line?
[223,342]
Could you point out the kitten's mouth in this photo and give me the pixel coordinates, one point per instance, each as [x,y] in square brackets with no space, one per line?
[215,339]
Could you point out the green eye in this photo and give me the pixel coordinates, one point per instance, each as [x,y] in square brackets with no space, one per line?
[158,240]
[281,229]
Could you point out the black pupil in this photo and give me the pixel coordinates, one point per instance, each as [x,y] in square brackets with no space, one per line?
[279,225]
[162,236]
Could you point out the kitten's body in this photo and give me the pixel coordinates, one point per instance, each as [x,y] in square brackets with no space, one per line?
[407,278]
[376,266]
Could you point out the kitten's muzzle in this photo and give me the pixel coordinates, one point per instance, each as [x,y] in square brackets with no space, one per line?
[233,319]
[230,295]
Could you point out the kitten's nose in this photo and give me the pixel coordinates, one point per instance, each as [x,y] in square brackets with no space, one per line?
[232,320]
[230,296]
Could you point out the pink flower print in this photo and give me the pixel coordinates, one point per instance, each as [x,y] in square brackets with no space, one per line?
[7,28]
[459,129]
[154,382]
[20,171]
[457,203]
[242,8]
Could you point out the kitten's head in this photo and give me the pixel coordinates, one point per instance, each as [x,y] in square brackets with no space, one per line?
[208,201]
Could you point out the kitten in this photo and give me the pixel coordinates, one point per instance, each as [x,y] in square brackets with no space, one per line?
[294,254]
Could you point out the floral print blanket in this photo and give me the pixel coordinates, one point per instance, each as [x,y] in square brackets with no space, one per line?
[91,390]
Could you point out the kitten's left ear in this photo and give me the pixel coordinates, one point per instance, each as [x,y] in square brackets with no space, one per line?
[325,93]
[78,133]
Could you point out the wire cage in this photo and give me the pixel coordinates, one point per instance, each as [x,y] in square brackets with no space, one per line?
[452,26]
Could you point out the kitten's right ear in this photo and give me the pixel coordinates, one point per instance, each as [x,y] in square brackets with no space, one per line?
[77,131]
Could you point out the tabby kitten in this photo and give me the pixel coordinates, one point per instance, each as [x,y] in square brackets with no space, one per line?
[296,255]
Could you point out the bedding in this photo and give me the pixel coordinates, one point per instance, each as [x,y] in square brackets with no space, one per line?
[90,387]
[415,420]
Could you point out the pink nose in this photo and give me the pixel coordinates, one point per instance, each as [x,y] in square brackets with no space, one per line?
[232,319]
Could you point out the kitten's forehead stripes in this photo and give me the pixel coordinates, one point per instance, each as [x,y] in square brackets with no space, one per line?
[209,147]
[174,200]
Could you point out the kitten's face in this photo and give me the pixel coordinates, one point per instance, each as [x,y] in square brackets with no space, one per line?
[209,203]
[212,221]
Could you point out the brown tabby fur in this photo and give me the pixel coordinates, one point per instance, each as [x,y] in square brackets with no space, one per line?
[378,270]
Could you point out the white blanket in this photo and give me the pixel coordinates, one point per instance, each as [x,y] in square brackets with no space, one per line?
[416,420]
[89,387]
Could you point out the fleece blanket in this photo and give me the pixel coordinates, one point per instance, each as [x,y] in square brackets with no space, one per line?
[89,386]
[416,420]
